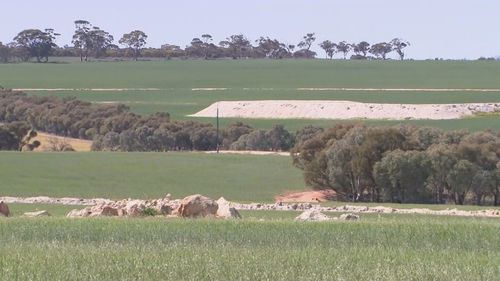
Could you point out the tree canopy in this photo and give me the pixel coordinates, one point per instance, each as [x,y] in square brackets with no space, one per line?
[36,43]
[402,164]
[135,40]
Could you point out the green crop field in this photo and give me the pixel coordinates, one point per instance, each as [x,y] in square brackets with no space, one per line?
[265,80]
[285,74]
[375,248]
[147,175]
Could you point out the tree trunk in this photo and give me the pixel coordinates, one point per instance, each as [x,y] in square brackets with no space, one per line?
[495,199]
[353,188]
[439,195]
[402,194]
[459,198]
[479,198]
[137,53]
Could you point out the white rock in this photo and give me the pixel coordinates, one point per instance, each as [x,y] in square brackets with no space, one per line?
[312,215]
[349,217]
[37,214]
[226,211]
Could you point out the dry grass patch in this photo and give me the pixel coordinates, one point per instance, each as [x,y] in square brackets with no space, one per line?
[54,143]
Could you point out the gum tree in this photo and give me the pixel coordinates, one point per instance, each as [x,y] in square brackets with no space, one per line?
[135,41]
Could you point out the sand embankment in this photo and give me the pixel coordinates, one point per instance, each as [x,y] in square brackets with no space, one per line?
[328,109]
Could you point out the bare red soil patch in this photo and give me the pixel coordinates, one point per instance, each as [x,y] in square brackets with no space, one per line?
[306,196]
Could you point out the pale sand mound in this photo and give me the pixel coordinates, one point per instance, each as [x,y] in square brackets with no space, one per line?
[208,89]
[327,109]
[306,196]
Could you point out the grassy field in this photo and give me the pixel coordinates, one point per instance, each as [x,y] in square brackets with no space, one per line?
[264,80]
[284,74]
[147,175]
[375,248]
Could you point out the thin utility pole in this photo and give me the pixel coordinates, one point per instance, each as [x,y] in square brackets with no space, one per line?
[217,117]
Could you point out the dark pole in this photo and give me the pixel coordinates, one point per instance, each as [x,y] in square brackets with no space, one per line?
[217,127]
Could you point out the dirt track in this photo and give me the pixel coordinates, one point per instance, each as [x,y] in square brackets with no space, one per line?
[268,89]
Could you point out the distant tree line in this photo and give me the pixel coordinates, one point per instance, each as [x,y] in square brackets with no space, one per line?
[362,49]
[91,41]
[113,127]
[401,164]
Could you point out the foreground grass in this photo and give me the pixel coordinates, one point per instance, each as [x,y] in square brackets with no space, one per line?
[147,175]
[402,248]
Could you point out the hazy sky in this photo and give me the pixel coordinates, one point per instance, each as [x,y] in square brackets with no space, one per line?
[436,28]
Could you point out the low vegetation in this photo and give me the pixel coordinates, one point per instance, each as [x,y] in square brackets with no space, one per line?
[114,128]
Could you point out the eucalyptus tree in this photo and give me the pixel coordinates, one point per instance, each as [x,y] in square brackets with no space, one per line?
[398,45]
[271,48]
[402,176]
[237,46]
[307,41]
[81,38]
[380,50]
[37,43]
[329,47]
[361,48]
[101,41]
[344,48]
[135,40]
[91,39]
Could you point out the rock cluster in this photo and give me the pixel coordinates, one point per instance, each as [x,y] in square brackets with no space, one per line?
[280,206]
[167,206]
[312,215]
[193,206]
